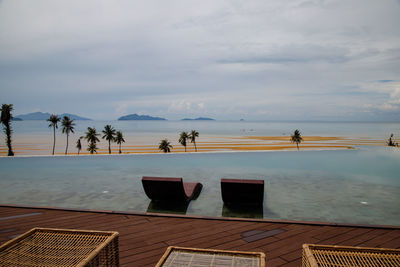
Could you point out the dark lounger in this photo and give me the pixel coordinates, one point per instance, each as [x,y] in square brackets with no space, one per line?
[170,189]
[242,192]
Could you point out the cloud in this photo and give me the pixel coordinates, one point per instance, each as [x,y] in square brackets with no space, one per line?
[295,54]
[395,96]
[184,106]
[265,59]
[121,109]
[181,106]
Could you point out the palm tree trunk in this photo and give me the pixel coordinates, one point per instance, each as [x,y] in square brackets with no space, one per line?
[66,148]
[8,134]
[120,149]
[109,146]
[54,138]
[185,148]
[195,148]
[297,146]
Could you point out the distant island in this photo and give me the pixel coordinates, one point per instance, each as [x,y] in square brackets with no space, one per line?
[38,116]
[198,119]
[136,117]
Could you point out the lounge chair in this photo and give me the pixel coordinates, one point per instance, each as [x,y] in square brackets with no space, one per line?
[242,192]
[170,189]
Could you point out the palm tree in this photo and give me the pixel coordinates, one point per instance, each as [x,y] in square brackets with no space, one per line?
[119,139]
[296,138]
[6,118]
[92,148]
[54,120]
[182,139]
[67,127]
[193,134]
[165,146]
[79,144]
[391,141]
[91,137]
[109,135]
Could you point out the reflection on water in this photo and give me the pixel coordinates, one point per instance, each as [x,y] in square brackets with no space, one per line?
[254,211]
[168,207]
[360,186]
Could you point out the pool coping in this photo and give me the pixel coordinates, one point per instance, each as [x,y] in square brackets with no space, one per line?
[167,215]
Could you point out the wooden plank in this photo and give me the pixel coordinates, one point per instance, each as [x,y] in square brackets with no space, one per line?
[295,263]
[143,239]
[294,232]
[357,241]
[143,249]
[292,256]
[381,239]
[288,247]
[274,262]
[345,236]
[334,231]
[395,243]
[209,228]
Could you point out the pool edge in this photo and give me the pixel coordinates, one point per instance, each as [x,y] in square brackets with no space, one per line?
[204,217]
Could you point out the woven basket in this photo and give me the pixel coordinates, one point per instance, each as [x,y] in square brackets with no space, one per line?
[343,256]
[61,247]
[188,257]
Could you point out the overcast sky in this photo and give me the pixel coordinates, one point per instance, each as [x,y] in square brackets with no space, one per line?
[257,60]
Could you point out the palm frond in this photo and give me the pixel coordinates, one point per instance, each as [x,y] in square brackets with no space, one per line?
[165,146]
[54,120]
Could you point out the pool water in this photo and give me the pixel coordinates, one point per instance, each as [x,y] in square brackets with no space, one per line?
[358,186]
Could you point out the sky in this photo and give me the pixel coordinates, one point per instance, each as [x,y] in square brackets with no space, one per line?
[256,60]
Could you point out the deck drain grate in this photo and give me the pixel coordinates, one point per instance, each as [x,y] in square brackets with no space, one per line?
[254,235]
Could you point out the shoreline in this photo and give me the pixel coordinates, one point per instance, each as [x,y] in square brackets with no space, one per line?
[31,147]
[178,153]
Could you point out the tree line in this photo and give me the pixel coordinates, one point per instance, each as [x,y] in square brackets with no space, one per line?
[166,146]
[91,135]
[112,135]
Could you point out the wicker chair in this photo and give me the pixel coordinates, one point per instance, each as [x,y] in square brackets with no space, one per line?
[47,247]
[315,255]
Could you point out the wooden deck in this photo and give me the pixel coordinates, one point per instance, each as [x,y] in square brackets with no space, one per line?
[143,238]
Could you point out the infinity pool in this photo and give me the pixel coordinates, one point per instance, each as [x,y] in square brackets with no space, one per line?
[358,186]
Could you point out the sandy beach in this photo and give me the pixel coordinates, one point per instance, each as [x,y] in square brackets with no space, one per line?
[24,145]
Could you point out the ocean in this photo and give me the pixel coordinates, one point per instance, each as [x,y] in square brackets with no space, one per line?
[160,128]
[36,138]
